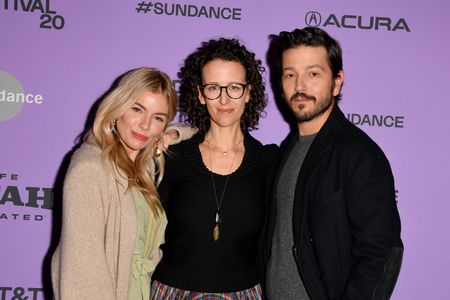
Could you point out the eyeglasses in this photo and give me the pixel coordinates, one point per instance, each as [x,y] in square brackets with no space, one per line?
[213,91]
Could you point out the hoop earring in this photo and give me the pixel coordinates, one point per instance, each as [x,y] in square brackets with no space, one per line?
[156,148]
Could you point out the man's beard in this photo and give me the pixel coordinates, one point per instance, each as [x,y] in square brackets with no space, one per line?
[318,109]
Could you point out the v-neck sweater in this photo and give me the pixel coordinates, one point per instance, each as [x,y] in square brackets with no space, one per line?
[192,260]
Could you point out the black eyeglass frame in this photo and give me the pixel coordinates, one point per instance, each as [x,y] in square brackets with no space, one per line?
[243,85]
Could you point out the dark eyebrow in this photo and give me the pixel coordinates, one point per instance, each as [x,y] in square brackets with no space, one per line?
[288,68]
[308,67]
[315,66]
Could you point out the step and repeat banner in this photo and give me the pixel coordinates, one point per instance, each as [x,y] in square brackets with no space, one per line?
[58,58]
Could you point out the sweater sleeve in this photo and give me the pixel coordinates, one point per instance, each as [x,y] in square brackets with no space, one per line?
[184,132]
[79,267]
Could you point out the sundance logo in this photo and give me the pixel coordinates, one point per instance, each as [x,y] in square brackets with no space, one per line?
[13,97]
[314,19]
[377,120]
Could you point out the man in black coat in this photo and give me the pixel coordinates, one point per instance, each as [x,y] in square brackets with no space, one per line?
[334,229]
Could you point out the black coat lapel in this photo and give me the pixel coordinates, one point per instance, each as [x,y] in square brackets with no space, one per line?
[317,152]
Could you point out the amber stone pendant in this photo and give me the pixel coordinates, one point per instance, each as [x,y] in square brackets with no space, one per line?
[216,232]
[216,226]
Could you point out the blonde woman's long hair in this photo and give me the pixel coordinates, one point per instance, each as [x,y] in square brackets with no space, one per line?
[139,173]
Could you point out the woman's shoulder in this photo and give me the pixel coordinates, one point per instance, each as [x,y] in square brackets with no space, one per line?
[87,161]
[271,152]
[266,149]
[188,145]
[259,156]
[89,154]
[273,148]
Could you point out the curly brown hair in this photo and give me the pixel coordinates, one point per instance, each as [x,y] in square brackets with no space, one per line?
[190,75]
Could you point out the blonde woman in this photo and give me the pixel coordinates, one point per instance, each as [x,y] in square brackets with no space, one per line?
[113,222]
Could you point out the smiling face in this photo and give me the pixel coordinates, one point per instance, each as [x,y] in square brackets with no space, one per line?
[143,122]
[224,111]
[308,84]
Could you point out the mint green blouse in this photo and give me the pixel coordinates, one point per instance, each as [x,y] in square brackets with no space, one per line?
[151,235]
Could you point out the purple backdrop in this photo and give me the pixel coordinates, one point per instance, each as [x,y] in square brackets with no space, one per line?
[61,56]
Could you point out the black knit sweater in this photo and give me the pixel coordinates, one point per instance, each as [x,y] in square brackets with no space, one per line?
[192,260]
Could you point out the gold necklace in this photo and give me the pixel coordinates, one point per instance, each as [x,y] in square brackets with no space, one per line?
[224,152]
[217,218]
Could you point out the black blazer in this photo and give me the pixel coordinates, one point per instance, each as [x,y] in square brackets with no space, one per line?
[345,221]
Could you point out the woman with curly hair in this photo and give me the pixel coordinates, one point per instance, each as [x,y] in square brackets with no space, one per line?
[216,184]
[113,221]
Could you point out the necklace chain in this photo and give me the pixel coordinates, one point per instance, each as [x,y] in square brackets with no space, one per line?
[217,218]
[224,152]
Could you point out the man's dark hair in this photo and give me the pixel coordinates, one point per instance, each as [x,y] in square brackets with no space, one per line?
[312,37]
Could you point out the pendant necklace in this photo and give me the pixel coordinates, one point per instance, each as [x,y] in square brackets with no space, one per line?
[217,217]
[224,152]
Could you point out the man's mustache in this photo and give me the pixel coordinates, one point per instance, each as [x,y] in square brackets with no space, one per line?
[302,95]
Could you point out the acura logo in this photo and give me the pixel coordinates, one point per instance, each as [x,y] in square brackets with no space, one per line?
[313,19]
